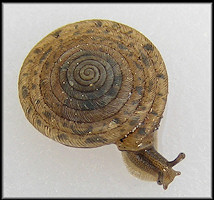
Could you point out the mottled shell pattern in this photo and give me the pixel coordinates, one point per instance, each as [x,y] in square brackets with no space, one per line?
[93,82]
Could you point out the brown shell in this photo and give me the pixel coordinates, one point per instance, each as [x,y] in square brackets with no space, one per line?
[92,83]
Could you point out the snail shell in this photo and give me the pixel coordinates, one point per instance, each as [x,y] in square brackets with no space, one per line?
[97,82]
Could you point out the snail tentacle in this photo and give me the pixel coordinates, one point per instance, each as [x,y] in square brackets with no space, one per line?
[150,161]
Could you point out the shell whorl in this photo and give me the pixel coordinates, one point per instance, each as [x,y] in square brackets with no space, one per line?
[92,83]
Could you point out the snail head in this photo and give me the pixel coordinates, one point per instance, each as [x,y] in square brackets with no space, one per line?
[167,174]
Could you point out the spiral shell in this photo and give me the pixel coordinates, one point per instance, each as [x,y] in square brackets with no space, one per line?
[92,83]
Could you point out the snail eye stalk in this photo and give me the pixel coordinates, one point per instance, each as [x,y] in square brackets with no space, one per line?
[179,158]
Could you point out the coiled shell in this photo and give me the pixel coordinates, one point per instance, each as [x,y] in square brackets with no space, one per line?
[92,83]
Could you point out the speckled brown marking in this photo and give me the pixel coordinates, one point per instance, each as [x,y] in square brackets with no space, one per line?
[121,46]
[129,32]
[45,55]
[96,139]
[159,94]
[57,33]
[131,44]
[115,26]
[164,99]
[67,102]
[139,90]
[135,121]
[91,84]
[63,136]
[119,37]
[54,56]
[88,130]
[142,131]
[33,86]
[145,59]
[47,114]
[154,113]
[106,31]
[98,23]
[37,101]
[47,65]
[90,31]
[148,47]
[116,120]
[117,79]
[112,92]
[89,105]
[25,92]
[144,108]
[135,102]
[38,121]
[160,76]
[37,50]
[138,65]
[42,82]
[126,112]
[150,85]
[131,54]
[65,124]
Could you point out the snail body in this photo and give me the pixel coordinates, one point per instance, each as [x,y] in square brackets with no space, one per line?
[99,82]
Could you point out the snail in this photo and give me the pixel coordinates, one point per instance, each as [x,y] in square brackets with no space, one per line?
[99,82]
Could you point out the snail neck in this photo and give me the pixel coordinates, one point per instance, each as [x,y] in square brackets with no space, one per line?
[152,162]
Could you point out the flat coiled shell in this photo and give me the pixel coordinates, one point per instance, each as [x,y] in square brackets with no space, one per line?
[92,83]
